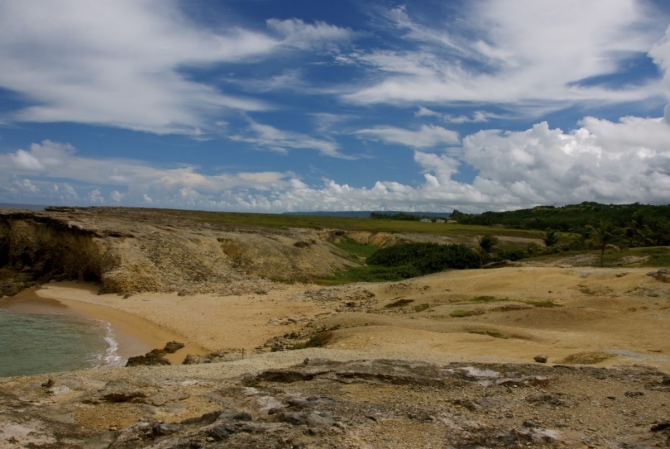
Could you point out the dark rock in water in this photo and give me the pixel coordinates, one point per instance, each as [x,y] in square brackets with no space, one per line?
[172,347]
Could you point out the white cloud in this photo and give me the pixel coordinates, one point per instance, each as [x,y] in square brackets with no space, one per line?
[271,138]
[95,197]
[59,161]
[519,52]
[477,116]
[116,196]
[304,36]
[120,63]
[426,137]
[605,161]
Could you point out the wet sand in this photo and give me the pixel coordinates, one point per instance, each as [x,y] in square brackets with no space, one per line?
[134,335]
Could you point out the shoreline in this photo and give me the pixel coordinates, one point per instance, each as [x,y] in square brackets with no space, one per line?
[134,335]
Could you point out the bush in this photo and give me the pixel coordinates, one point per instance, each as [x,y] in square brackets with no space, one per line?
[417,259]
[513,255]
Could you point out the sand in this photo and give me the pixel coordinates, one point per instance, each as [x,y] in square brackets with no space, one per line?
[623,312]
[203,322]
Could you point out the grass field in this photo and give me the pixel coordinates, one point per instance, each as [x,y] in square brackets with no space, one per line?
[350,224]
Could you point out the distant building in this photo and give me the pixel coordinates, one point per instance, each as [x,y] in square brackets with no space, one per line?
[439,220]
[451,221]
[426,220]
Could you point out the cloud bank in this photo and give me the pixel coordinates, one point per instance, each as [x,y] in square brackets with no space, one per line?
[605,161]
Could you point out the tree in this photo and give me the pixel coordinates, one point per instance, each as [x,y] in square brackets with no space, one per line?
[603,237]
[487,243]
[550,237]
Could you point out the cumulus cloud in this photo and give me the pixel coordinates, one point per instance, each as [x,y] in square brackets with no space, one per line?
[53,160]
[522,53]
[71,62]
[426,137]
[601,160]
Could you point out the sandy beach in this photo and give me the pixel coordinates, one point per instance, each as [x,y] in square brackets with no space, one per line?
[134,335]
[593,310]
[203,322]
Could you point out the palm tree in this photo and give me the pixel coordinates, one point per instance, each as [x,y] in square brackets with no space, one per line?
[603,237]
[486,245]
[550,237]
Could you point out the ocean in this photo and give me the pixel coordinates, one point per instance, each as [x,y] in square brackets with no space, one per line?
[36,343]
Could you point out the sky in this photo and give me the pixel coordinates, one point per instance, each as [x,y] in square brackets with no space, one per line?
[305,105]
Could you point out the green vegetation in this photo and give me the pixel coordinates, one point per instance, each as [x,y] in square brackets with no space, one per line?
[483,299]
[463,313]
[316,341]
[550,237]
[285,221]
[541,303]
[368,273]
[402,216]
[658,256]
[587,358]
[421,307]
[645,224]
[358,249]
[490,334]
[425,258]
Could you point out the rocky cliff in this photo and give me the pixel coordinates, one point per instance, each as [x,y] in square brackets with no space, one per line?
[130,251]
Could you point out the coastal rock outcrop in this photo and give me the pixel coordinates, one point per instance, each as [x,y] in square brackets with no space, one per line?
[141,250]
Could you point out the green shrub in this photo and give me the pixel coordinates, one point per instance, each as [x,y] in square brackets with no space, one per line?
[513,255]
[421,307]
[416,259]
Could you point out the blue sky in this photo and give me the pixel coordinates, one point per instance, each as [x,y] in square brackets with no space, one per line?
[281,105]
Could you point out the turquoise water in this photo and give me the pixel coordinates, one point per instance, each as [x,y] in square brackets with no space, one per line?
[43,343]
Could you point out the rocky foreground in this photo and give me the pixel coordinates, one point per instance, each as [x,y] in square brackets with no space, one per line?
[327,404]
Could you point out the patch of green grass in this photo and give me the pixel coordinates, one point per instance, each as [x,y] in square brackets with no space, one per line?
[421,307]
[463,313]
[659,256]
[368,273]
[399,303]
[316,341]
[284,221]
[587,358]
[541,303]
[357,249]
[490,334]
